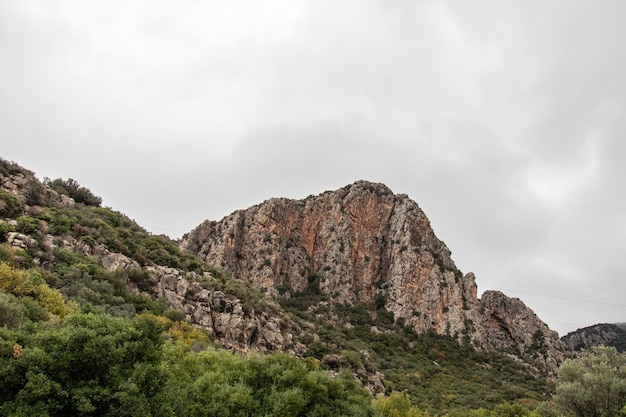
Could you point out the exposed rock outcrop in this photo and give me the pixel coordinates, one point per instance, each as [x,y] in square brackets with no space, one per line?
[596,335]
[232,323]
[363,244]
[22,183]
[511,326]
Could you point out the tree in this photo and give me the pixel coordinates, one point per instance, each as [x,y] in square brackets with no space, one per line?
[89,365]
[397,404]
[10,205]
[73,189]
[593,385]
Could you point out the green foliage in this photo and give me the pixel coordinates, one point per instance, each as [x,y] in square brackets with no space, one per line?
[219,383]
[6,253]
[12,312]
[11,168]
[36,194]
[38,299]
[27,225]
[82,280]
[5,229]
[10,205]
[99,225]
[593,385]
[434,371]
[60,220]
[74,190]
[397,405]
[300,301]
[92,364]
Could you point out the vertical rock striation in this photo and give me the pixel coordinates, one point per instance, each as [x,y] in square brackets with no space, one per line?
[365,244]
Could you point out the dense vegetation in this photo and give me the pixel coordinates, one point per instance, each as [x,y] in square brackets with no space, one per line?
[433,370]
[594,385]
[75,341]
[94,364]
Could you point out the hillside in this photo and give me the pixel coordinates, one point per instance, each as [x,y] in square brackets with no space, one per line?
[353,282]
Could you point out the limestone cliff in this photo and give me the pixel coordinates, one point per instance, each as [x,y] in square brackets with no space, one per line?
[365,244]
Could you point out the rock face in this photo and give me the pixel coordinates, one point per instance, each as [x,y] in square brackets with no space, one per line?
[231,322]
[22,183]
[364,244]
[510,325]
[597,335]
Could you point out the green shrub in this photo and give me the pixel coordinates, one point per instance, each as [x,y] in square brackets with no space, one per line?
[6,253]
[74,190]
[11,168]
[27,225]
[59,220]
[12,312]
[593,385]
[36,194]
[174,315]
[10,205]
[5,228]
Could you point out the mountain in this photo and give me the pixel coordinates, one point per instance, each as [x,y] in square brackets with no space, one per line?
[352,280]
[597,335]
[364,245]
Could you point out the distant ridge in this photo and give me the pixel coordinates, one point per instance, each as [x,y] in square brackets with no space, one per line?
[597,335]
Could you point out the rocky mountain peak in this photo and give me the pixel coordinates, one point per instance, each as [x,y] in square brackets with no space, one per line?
[363,244]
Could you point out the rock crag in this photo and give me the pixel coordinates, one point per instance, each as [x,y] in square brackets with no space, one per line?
[596,335]
[365,244]
[231,322]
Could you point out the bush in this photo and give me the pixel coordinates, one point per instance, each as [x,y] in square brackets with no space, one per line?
[27,225]
[5,228]
[10,206]
[74,190]
[593,385]
[90,365]
[397,404]
[36,194]
[174,315]
[12,312]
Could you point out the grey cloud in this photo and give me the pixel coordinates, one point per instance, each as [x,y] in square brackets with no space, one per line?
[503,120]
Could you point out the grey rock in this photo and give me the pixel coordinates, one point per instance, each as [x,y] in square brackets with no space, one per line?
[114,261]
[363,243]
[597,335]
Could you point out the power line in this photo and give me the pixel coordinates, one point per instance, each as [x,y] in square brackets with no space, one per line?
[162,228]
[562,298]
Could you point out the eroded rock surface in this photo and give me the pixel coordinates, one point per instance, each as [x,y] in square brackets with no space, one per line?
[231,322]
[363,244]
[597,335]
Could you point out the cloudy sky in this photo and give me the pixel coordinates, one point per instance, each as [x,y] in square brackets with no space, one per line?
[504,120]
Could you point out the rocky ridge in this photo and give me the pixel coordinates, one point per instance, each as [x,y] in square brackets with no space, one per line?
[365,244]
[596,335]
[231,322]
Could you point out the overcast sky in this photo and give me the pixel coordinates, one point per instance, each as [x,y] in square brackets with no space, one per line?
[504,120]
